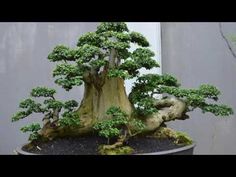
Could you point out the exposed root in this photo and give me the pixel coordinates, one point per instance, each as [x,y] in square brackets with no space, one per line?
[117,148]
[180,138]
[123,150]
[169,109]
[51,131]
[119,143]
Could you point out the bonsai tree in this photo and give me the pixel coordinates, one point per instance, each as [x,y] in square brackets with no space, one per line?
[100,63]
[51,109]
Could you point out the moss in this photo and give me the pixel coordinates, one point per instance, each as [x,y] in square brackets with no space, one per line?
[29,146]
[164,132]
[123,150]
[180,138]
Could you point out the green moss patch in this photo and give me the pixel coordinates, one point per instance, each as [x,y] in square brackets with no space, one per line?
[180,138]
[123,150]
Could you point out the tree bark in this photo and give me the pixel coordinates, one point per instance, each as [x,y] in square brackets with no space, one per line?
[97,101]
[93,107]
[168,110]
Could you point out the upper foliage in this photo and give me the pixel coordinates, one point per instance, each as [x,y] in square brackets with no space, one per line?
[42,92]
[147,86]
[60,53]
[107,47]
[111,26]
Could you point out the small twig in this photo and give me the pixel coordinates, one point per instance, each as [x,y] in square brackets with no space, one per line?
[38,148]
[226,40]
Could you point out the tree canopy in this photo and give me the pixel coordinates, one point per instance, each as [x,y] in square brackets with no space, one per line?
[103,52]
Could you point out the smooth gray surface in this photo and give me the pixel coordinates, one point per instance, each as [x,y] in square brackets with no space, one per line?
[24,48]
[196,53]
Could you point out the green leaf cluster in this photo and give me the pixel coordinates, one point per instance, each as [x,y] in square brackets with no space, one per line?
[93,52]
[30,107]
[118,73]
[61,53]
[139,39]
[144,89]
[42,92]
[197,98]
[69,119]
[148,85]
[68,75]
[137,125]
[112,127]
[112,26]
[49,107]
[33,128]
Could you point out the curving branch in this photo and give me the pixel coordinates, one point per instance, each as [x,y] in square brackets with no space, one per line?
[169,109]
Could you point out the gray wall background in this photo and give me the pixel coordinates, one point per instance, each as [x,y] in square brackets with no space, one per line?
[24,48]
[196,53]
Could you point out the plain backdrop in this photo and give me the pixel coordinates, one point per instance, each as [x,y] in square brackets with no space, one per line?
[196,53]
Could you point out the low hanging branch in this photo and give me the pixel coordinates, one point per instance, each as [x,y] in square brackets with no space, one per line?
[168,110]
[178,102]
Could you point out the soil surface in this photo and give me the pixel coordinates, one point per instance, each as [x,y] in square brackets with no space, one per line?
[89,146]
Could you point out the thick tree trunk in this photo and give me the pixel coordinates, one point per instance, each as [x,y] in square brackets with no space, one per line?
[97,100]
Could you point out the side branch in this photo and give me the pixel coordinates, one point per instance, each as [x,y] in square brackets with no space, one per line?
[168,109]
